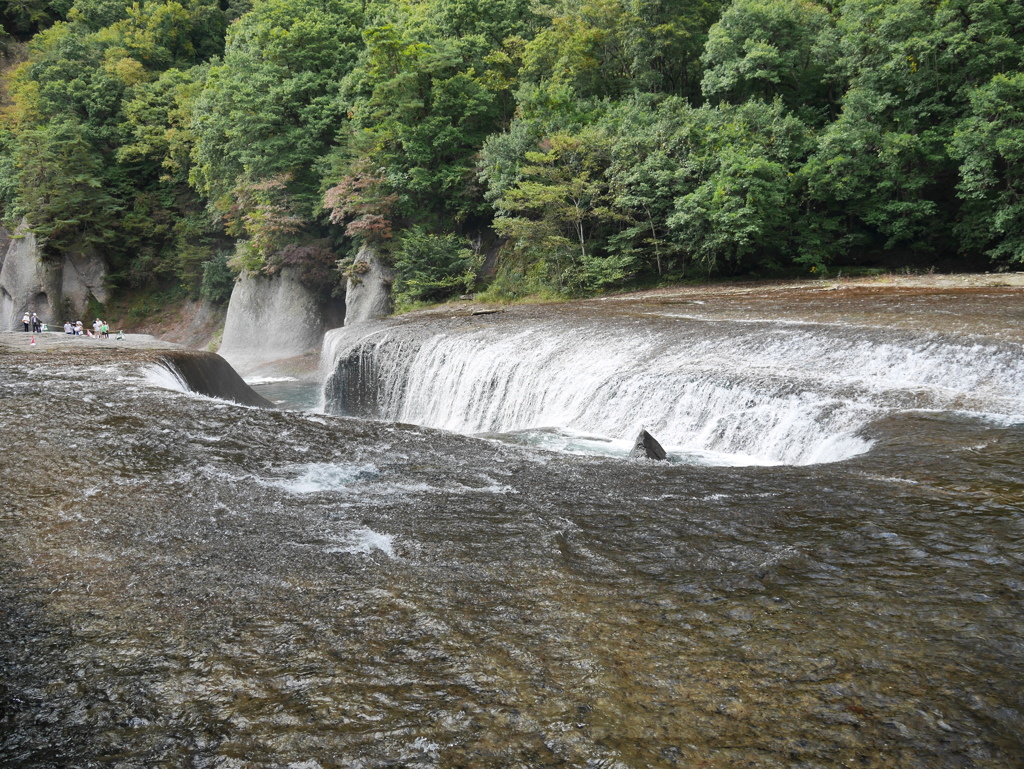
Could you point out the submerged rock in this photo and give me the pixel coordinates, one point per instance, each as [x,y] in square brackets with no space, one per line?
[646,446]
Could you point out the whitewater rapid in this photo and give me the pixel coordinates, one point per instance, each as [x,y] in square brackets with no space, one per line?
[721,391]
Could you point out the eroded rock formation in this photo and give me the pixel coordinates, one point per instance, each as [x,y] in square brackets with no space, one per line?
[27,282]
[273,319]
[368,292]
[55,289]
[82,277]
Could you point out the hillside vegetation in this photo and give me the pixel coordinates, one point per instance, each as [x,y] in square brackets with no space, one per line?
[598,143]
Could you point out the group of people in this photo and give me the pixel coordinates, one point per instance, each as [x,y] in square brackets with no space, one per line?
[99,329]
[32,323]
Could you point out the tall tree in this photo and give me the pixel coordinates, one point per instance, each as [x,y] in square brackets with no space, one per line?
[271,106]
[769,49]
[620,47]
[989,142]
[884,165]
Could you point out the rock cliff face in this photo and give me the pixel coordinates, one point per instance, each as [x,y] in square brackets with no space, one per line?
[271,320]
[53,289]
[368,292]
[82,277]
[5,241]
[27,283]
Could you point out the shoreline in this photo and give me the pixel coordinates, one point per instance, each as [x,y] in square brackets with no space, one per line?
[951,282]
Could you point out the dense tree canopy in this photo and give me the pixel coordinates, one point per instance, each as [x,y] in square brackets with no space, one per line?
[594,143]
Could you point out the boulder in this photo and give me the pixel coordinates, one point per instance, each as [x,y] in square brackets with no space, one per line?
[271,319]
[368,292]
[28,283]
[646,447]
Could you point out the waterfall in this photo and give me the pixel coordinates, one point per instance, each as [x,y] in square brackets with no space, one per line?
[203,373]
[757,392]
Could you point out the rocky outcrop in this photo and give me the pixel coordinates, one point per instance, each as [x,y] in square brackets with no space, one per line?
[27,282]
[82,278]
[272,319]
[368,292]
[646,447]
[53,289]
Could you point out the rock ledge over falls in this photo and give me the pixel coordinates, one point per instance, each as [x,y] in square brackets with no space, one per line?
[194,371]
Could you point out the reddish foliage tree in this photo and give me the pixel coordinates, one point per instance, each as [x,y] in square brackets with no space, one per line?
[359,201]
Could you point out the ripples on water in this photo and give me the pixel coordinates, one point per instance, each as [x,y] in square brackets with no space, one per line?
[190,583]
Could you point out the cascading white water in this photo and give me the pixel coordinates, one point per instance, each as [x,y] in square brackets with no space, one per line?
[762,392]
[165,376]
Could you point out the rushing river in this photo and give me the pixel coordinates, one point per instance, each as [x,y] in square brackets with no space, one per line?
[186,582]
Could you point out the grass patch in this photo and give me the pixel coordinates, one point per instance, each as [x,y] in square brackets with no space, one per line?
[214,343]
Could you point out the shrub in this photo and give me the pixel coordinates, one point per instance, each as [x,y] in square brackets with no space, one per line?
[432,267]
[218,279]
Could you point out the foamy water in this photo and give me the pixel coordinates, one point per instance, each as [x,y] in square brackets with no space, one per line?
[720,392]
[317,477]
[165,377]
[364,542]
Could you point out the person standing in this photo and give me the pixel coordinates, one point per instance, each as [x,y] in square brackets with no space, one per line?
[37,325]
[26,320]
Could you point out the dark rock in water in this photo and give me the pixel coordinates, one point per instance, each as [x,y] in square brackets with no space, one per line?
[211,375]
[646,446]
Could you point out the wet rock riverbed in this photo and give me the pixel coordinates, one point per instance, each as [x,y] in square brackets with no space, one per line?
[186,582]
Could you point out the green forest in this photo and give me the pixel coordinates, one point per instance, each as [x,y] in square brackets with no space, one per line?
[575,145]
